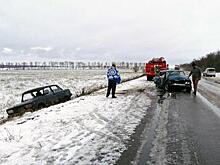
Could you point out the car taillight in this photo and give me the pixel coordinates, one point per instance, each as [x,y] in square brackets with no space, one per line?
[10,111]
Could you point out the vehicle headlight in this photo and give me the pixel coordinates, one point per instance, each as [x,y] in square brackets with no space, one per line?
[187,82]
[10,111]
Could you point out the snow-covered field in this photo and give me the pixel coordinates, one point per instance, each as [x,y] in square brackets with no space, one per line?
[90,129]
[14,82]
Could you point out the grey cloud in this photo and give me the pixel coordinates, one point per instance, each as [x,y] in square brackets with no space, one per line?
[179,30]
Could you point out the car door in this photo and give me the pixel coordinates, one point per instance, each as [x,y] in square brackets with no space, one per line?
[50,96]
[39,99]
[60,93]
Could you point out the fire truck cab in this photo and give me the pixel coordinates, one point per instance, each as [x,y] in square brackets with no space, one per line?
[150,67]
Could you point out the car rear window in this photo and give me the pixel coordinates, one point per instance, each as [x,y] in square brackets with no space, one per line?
[211,70]
[27,96]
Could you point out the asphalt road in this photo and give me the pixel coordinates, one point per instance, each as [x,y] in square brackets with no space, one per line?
[195,126]
[211,91]
[180,129]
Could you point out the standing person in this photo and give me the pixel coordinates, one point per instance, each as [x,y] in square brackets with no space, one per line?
[157,70]
[113,79]
[196,76]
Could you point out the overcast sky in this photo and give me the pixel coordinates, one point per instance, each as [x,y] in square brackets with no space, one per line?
[108,30]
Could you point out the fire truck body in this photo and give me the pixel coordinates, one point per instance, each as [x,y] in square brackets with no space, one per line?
[150,67]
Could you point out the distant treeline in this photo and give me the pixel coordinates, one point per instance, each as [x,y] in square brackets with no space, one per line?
[68,65]
[211,60]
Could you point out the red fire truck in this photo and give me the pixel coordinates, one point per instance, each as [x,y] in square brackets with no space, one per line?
[150,67]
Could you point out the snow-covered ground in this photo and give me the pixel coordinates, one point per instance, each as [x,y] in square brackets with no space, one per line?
[14,82]
[214,79]
[218,77]
[90,129]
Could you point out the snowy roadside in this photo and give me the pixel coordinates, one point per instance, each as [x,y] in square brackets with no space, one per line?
[87,130]
[214,79]
[13,83]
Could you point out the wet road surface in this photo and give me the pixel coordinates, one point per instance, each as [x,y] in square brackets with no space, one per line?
[193,122]
[180,129]
[211,91]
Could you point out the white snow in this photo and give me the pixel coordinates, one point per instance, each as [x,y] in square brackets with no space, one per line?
[214,79]
[91,129]
[158,151]
[42,48]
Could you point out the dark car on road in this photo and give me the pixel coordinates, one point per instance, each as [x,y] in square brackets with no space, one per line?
[38,98]
[173,80]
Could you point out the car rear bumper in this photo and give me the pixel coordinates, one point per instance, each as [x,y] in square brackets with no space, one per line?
[176,84]
[210,74]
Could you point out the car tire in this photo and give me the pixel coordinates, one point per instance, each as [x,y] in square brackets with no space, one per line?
[188,90]
[41,105]
[67,98]
[64,99]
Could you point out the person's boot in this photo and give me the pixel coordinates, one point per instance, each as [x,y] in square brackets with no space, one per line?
[194,92]
[114,97]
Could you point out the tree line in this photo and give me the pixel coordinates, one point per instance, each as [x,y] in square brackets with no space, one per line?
[69,65]
[211,60]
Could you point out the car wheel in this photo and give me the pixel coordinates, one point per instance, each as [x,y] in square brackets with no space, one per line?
[64,99]
[41,105]
[188,90]
[67,98]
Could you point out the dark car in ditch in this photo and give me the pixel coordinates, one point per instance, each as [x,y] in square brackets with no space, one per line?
[38,98]
[173,80]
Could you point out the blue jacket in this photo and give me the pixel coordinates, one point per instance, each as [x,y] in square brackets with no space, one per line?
[113,74]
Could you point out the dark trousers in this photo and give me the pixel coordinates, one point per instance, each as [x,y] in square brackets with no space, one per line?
[195,83]
[111,86]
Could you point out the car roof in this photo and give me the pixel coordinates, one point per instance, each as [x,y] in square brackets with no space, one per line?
[37,89]
[210,68]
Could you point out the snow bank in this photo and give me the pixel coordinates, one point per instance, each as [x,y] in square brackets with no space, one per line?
[87,130]
[214,79]
[13,83]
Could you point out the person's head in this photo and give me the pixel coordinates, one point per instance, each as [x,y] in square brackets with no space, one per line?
[113,64]
[193,64]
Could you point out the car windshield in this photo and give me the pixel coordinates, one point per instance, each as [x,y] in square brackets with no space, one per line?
[177,73]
